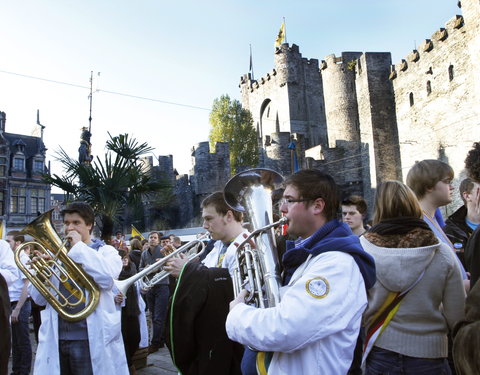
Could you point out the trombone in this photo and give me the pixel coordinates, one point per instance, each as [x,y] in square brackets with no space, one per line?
[194,249]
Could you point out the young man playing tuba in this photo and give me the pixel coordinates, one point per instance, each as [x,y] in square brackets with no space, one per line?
[92,345]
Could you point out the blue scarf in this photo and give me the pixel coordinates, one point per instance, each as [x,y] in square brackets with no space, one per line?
[96,244]
[333,236]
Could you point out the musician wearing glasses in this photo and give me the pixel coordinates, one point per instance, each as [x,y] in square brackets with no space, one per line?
[196,333]
[92,345]
[315,326]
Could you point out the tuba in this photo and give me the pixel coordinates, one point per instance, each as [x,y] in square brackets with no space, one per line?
[258,268]
[43,272]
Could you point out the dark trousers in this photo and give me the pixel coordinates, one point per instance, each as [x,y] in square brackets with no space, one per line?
[157,301]
[75,357]
[5,333]
[131,335]
[21,346]
[381,361]
[37,320]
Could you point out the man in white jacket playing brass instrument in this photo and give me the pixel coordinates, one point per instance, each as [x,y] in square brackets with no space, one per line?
[93,345]
[314,328]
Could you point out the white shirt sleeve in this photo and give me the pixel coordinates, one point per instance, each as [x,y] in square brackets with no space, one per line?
[103,265]
[8,268]
[323,301]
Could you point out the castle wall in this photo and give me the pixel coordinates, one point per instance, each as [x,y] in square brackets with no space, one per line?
[279,157]
[378,125]
[210,172]
[437,98]
[184,200]
[165,165]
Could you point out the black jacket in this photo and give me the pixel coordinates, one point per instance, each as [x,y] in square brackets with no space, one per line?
[196,335]
[472,256]
[458,231]
[456,228]
[5,335]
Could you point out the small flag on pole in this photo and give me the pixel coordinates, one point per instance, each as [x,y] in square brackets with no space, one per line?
[2,230]
[136,232]
[280,36]
[251,63]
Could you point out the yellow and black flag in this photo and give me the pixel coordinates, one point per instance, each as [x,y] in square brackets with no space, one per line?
[281,35]
[136,232]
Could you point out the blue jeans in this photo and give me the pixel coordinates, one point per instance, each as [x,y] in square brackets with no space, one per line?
[386,362]
[157,301]
[75,357]
[21,347]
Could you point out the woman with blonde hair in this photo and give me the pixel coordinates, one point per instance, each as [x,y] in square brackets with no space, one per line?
[419,294]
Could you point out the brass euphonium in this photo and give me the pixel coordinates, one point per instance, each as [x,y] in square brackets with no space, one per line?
[258,268]
[43,272]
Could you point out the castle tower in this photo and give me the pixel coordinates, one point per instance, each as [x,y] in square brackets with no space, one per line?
[211,170]
[378,123]
[287,99]
[338,75]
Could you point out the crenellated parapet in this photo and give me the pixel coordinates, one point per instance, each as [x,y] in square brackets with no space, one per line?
[436,44]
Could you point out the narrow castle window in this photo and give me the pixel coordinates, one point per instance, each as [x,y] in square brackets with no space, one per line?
[411,99]
[429,87]
[450,73]
[268,112]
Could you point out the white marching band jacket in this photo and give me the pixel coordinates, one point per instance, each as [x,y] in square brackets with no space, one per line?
[104,324]
[315,327]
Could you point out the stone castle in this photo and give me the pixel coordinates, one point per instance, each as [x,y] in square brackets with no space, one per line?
[357,116]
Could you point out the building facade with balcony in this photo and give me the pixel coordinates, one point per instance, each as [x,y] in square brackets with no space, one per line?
[23,194]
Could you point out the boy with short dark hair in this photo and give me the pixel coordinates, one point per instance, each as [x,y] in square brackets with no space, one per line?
[354,212]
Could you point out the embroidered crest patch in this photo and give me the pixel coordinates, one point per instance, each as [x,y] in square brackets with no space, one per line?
[318,287]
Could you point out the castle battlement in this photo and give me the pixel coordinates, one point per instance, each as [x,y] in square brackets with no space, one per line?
[438,40]
[346,61]
[284,55]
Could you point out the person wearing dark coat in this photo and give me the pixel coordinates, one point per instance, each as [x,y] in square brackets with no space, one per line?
[5,336]
[196,337]
[461,224]
[130,312]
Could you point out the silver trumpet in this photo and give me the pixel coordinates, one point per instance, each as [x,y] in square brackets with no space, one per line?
[258,267]
[194,249]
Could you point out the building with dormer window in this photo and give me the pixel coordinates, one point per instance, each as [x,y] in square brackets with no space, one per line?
[23,194]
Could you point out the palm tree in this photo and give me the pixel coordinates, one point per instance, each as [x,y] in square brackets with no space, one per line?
[111,187]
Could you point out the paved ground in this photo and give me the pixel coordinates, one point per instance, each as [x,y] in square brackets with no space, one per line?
[158,363]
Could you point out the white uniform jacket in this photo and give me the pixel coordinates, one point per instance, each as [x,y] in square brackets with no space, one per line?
[8,267]
[104,324]
[315,327]
[230,259]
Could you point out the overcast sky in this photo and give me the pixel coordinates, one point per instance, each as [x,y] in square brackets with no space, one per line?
[184,52]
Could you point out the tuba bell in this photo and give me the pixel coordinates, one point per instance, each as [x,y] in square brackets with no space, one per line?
[43,272]
[258,267]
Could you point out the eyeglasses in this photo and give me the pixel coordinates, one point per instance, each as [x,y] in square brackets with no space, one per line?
[289,201]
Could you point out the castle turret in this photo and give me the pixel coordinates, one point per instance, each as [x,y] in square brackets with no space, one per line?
[338,75]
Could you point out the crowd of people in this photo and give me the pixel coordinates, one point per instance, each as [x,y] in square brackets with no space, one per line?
[396,294]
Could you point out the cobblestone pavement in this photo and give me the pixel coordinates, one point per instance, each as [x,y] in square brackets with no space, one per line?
[158,363]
